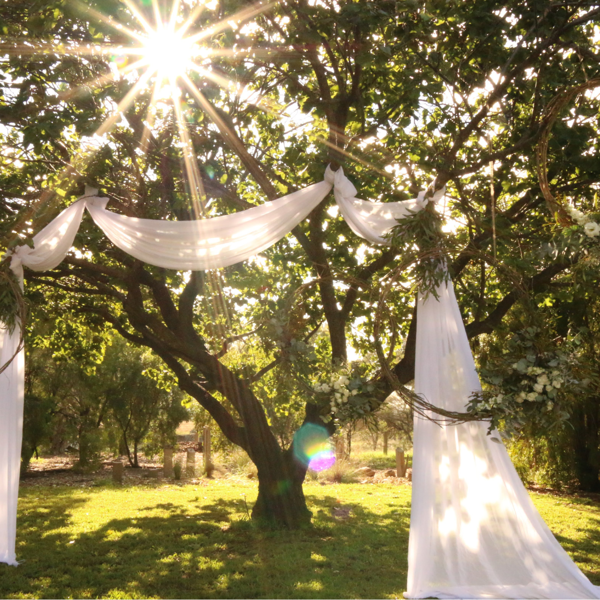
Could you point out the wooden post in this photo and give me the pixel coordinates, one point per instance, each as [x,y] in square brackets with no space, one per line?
[168,462]
[208,466]
[190,463]
[339,449]
[385,442]
[400,463]
[117,471]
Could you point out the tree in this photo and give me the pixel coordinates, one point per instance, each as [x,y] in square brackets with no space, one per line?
[61,407]
[136,401]
[87,389]
[402,94]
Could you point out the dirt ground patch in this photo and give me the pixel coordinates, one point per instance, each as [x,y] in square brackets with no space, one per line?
[61,470]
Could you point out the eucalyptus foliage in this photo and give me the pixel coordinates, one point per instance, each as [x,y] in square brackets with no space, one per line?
[421,235]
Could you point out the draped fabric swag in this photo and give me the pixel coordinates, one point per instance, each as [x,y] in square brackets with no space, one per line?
[474,532]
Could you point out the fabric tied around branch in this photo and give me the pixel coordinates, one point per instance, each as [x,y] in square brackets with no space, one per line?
[373,220]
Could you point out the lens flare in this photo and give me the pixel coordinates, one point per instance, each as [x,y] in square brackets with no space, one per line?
[119,60]
[313,448]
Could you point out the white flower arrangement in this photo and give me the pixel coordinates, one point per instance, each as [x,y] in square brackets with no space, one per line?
[341,393]
[590,227]
[524,385]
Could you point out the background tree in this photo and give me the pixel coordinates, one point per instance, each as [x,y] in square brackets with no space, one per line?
[134,400]
[94,393]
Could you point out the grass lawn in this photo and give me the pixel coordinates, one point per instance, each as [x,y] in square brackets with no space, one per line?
[195,541]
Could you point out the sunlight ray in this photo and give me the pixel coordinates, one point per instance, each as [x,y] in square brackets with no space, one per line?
[196,12]
[20,49]
[125,103]
[139,16]
[353,157]
[98,81]
[158,21]
[230,136]
[191,164]
[107,20]
[173,17]
[239,17]
[150,117]
[261,102]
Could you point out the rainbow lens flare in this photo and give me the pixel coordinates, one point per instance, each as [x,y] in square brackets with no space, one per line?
[313,448]
[120,60]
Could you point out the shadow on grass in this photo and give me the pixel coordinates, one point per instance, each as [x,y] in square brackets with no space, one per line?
[585,547]
[202,550]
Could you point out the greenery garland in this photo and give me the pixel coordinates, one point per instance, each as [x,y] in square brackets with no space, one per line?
[13,308]
[420,233]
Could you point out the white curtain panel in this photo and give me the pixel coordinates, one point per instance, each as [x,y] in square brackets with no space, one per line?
[474,532]
[50,246]
[11,431]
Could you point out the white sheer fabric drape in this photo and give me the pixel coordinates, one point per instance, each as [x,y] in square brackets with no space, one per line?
[11,432]
[183,245]
[208,243]
[50,246]
[474,532]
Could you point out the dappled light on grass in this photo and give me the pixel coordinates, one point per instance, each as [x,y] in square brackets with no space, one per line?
[197,541]
[170,541]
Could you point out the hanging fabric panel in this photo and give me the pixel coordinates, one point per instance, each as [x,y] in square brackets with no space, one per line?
[474,532]
[11,431]
[50,246]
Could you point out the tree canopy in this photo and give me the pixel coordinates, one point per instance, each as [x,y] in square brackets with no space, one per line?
[405,95]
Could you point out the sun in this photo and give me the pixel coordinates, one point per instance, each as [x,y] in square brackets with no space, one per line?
[169,53]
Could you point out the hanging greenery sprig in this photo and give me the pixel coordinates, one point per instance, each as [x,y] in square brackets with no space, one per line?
[420,234]
[12,305]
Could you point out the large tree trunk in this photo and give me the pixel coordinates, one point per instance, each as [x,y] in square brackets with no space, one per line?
[281,502]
